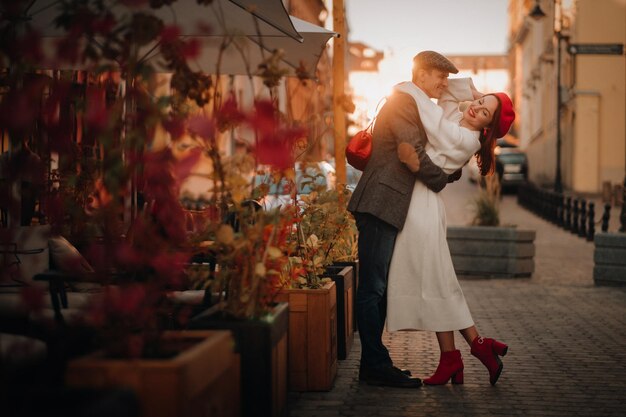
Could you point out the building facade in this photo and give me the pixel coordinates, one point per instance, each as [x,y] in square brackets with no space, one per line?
[569,59]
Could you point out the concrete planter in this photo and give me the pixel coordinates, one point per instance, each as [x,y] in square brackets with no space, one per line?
[610,259]
[492,251]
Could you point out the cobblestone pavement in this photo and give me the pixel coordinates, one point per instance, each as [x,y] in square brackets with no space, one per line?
[566,337]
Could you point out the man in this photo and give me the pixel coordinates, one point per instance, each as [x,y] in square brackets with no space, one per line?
[380,204]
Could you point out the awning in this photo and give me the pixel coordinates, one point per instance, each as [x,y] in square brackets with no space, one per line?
[243,54]
[249,31]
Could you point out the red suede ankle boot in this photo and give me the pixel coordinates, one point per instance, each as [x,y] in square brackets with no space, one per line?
[487,350]
[450,366]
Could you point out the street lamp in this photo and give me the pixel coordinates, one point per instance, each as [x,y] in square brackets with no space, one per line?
[537,14]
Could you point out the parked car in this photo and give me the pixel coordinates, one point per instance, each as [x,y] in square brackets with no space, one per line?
[352,177]
[511,165]
[308,177]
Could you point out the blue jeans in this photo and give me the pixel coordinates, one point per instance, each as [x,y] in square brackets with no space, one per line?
[376,241]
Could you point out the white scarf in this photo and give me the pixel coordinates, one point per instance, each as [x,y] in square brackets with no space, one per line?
[449,145]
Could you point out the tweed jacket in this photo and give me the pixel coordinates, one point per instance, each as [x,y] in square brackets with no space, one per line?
[386,185]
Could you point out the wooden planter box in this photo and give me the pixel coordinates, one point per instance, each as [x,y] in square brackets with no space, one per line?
[312,337]
[262,347]
[343,277]
[355,286]
[610,259]
[202,380]
[492,251]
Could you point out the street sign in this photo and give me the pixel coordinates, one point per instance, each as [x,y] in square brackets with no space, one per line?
[596,48]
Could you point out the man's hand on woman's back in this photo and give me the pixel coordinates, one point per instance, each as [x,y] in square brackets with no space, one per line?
[408,156]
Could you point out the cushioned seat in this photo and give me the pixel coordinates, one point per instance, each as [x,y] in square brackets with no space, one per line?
[31,255]
[18,351]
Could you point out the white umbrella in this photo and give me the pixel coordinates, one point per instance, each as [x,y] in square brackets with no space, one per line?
[244,54]
[272,12]
[250,32]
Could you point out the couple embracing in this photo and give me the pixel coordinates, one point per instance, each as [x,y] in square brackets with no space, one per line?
[406,274]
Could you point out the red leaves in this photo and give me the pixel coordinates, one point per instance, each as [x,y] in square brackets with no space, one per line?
[265,118]
[190,49]
[203,127]
[169,266]
[169,34]
[174,126]
[275,143]
[228,115]
[97,115]
[183,168]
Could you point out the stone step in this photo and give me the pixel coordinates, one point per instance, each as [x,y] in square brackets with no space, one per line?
[495,248]
[493,267]
[609,256]
[609,275]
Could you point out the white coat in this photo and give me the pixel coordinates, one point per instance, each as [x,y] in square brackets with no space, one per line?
[423,291]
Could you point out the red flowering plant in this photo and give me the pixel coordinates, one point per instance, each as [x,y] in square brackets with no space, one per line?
[252,250]
[107,186]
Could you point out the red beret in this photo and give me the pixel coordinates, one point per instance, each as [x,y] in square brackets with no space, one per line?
[507,115]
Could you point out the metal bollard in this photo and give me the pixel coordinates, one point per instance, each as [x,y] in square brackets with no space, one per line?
[545,204]
[606,216]
[560,215]
[591,229]
[567,223]
[575,217]
[582,226]
[555,208]
[550,206]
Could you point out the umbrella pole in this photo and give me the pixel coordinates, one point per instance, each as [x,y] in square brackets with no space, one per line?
[339,26]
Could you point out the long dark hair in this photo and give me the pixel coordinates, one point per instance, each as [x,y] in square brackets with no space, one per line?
[485,156]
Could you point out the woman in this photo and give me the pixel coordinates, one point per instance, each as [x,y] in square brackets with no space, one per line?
[423,292]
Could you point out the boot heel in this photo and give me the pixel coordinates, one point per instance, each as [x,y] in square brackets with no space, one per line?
[500,348]
[457,378]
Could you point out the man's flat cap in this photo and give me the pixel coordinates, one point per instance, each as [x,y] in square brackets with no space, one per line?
[432,59]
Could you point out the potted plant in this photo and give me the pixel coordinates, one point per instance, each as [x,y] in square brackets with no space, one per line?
[321,323]
[487,249]
[327,222]
[252,251]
